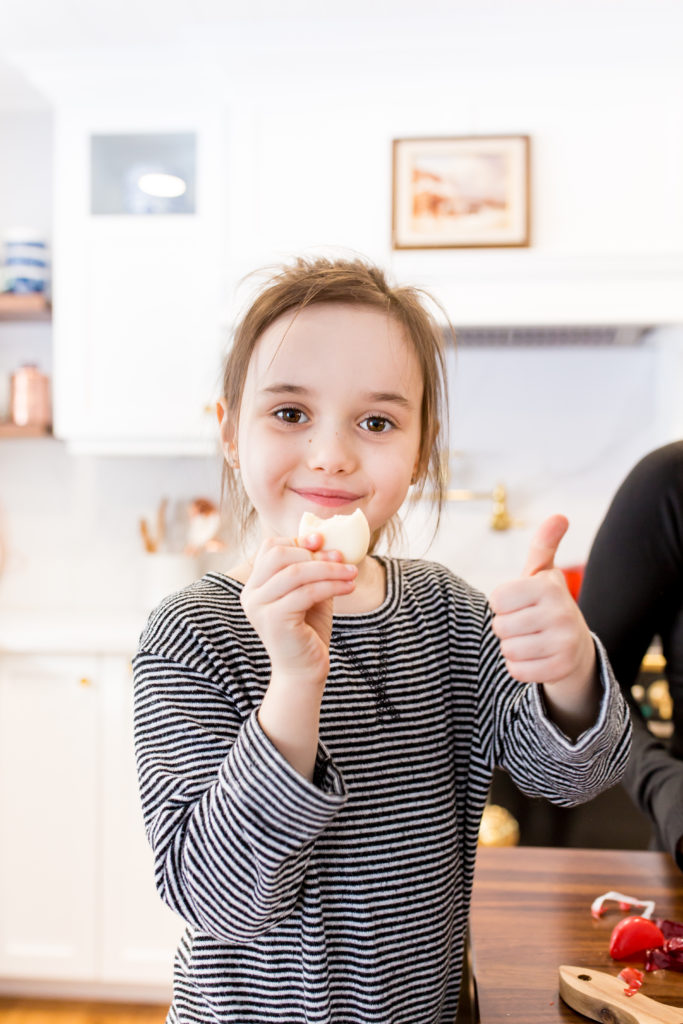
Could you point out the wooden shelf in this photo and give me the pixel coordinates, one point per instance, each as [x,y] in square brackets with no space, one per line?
[32,306]
[11,430]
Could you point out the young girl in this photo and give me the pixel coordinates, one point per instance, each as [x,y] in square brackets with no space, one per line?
[315,740]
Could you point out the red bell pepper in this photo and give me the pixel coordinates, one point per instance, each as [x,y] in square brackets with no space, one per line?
[632,936]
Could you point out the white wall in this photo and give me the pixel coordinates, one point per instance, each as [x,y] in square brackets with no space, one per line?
[314,97]
[26,169]
[310,122]
[597,87]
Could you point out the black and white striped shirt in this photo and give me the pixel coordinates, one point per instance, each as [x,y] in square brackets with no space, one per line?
[342,901]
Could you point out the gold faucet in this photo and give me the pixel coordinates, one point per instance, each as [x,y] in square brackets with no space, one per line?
[500,517]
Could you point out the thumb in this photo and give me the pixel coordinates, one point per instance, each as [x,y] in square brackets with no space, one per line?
[544,544]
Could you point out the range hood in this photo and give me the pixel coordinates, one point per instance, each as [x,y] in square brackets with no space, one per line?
[537,288]
[551,335]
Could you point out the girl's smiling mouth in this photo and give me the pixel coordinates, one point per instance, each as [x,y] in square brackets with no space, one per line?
[326,497]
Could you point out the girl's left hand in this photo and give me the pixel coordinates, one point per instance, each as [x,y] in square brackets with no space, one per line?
[543,635]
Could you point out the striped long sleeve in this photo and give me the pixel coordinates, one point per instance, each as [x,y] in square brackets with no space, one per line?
[345,900]
[535,752]
[231,823]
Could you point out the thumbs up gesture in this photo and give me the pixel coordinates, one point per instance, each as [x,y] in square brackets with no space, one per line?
[543,635]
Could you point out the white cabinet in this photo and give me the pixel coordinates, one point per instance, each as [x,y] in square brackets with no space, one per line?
[136,297]
[76,879]
[139,933]
[49,723]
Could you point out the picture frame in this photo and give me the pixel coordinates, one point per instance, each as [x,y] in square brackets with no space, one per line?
[461,192]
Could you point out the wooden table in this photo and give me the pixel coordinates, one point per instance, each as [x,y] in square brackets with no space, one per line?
[531,913]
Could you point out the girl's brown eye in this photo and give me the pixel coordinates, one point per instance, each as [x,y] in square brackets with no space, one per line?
[290,415]
[376,424]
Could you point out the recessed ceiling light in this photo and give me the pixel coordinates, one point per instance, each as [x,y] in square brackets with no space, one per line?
[165,186]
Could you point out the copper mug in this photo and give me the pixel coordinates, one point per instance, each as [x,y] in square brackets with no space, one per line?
[30,398]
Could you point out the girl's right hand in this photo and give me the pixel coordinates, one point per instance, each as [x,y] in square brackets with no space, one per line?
[288,600]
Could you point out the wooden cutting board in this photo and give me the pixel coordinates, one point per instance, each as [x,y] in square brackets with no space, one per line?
[601,997]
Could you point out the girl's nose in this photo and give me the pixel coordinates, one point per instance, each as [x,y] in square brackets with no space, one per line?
[331,451]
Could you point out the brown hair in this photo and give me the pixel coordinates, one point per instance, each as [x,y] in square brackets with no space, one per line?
[351,281]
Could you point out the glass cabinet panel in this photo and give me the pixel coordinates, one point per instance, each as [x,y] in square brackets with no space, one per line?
[142,174]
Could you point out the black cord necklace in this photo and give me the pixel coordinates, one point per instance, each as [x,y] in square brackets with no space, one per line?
[378,684]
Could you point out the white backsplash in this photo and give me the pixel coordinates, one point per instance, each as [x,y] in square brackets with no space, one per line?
[559,427]
[70,524]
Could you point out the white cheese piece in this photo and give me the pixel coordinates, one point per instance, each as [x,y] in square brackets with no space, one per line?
[348,534]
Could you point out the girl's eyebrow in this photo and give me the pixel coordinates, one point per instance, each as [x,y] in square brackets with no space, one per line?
[278,389]
[387,396]
[371,397]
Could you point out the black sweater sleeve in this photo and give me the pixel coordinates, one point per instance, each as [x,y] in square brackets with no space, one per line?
[633,591]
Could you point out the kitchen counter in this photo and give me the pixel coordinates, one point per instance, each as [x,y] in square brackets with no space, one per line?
[531,913]
[48,631]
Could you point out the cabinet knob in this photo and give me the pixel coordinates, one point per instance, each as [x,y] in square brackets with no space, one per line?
[84,681]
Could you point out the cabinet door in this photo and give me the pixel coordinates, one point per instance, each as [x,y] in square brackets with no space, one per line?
[137,297]
[49,734]
[139,932]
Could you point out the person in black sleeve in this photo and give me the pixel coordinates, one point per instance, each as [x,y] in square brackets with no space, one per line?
[632,592]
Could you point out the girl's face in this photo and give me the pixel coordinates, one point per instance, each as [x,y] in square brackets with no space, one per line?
[330,417]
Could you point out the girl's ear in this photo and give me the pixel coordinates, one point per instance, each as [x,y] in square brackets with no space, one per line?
[228,433]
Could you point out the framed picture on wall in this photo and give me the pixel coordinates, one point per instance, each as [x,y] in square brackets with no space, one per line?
[461,192]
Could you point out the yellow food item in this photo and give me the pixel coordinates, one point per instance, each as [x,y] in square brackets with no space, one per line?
[498,827]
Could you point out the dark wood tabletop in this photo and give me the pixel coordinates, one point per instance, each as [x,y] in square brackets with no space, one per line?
[531,913]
